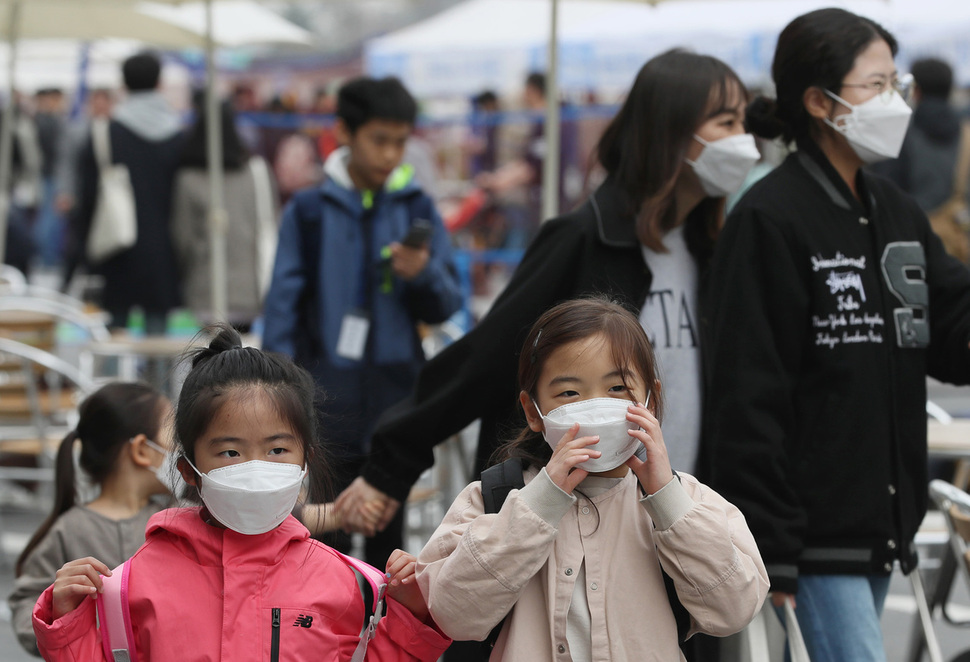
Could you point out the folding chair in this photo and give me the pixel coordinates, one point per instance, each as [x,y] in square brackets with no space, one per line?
[954,505]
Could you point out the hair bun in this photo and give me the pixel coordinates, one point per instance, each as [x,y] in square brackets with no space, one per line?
[224,338]
[762,118]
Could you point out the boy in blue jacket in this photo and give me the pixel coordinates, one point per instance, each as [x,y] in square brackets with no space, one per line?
[362,258]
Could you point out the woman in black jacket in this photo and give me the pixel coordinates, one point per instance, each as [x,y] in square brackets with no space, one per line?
[659,184]
[674,150]
[831,300]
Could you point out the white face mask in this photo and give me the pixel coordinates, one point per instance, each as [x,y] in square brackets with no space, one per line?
[251,497]
[605,417]
[166,473]
[724,164]
[875,129]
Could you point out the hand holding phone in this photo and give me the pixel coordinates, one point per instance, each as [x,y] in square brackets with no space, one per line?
[419,235]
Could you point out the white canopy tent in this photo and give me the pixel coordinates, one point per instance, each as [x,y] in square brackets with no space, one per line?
[58,63]
[483,44]
[598,45]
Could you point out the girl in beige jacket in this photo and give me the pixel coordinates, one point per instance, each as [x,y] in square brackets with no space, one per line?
[576,558]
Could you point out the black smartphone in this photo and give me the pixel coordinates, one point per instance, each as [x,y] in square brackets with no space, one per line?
[419,234]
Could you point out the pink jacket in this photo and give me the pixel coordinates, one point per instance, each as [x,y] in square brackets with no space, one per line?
[197,592]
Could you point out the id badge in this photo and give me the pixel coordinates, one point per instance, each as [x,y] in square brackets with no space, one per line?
[353,335]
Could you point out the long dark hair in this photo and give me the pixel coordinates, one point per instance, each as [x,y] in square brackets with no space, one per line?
[569,322]
[195,148]
[109,418]
[225,367]
[817,49]
[644,147]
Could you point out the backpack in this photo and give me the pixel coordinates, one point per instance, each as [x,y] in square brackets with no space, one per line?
[498,481]
[114,618]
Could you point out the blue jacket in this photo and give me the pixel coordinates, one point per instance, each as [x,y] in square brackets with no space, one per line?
[307,302]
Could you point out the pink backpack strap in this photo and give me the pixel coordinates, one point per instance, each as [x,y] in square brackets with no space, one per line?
[373,584]
[114,618]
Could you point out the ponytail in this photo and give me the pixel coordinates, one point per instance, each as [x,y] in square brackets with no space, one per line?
[65,496]
[108,419]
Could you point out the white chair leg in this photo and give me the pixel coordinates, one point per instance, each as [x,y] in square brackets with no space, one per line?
[926,618]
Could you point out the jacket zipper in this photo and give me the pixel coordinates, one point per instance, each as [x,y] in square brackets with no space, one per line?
[274,654]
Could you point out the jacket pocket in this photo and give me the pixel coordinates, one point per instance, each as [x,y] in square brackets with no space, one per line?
[274,651]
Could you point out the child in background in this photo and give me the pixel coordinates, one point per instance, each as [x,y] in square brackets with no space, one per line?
[124,432]
[233,579]
[582,577]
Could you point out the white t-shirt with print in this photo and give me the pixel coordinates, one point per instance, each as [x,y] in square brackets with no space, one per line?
[669,316]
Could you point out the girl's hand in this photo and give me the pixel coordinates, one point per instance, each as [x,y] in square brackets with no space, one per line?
[75,581]
[570,452]
[655,472]
[402,585]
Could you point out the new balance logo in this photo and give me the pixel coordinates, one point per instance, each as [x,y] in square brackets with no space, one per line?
[303,621]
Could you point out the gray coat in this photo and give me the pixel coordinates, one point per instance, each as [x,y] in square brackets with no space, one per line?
[251,241]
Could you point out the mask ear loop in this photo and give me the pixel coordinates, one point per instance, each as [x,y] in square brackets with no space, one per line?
[846,118]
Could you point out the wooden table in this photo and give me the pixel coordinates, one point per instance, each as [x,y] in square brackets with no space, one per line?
[163,354]
[949,439]
[165,351]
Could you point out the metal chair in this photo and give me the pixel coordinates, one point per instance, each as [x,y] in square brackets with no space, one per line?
[30,442]
[954,505]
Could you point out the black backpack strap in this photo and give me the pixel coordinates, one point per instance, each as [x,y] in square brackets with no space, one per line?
[498,481]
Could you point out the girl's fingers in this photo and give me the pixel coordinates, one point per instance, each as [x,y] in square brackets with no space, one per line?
[641,416]
[85,562]
[395,558]
[575,477]
[580,443]
[406,574]
[86,574]
[400,564]
[569,436]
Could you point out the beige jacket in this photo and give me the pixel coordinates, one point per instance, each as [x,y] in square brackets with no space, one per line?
[476,567]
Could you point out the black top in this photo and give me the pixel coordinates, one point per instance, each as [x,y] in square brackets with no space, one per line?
[145,275]
[826,314]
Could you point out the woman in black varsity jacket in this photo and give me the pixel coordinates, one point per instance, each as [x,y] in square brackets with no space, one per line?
[830,301]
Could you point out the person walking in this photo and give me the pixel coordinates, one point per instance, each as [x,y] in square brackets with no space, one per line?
[252,209]
[544,567]
[674,150]
[362,259]
[145,136]
[830,301]
[239,578]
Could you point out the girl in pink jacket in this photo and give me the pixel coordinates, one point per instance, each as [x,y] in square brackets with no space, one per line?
[239,578]
[574,560]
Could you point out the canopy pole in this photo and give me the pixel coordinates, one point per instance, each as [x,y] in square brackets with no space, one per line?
[550,163]
[218,219]
[6,129]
